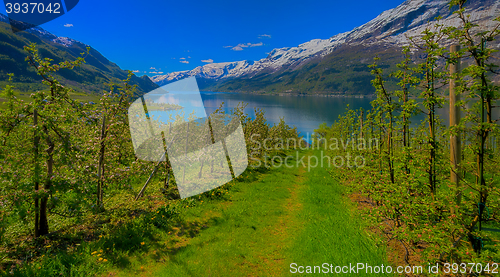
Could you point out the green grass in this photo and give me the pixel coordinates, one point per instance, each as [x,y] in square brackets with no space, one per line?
[250,236]
[287,215]
[256,225]
[333,233]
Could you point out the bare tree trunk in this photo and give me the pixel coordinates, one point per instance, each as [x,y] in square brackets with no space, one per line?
[186,148]
[390,150]
[380,147]
[361,124]
[37,171]
[43,225]
[455,142]
[432,134]
[100,166]
[486,99]
[406,132]
[201,168]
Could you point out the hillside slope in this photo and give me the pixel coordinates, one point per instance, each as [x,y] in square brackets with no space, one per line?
[91,77]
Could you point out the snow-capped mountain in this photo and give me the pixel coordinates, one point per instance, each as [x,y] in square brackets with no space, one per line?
[40,32]
[276,59]
[390,28]
[209,71]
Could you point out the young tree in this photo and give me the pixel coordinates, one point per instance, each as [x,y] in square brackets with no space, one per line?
[476,83]
[429,84]
[387,106]
[113,130]
[50,113]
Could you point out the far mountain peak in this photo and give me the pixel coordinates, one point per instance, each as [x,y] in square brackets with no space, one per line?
[385,34]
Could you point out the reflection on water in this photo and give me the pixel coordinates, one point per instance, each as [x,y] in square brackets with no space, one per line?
[190,102]
[304,112]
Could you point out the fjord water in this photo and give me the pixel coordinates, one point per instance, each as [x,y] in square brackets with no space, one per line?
[307,112]
[304,112]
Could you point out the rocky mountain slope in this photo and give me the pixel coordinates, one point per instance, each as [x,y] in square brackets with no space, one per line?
[338,64]
[91,77]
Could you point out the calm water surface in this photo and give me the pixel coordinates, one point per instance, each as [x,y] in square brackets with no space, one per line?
[304,112]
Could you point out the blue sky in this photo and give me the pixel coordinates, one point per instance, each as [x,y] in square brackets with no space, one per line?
[168,36]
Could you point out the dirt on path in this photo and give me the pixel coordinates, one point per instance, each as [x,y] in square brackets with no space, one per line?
[284,230]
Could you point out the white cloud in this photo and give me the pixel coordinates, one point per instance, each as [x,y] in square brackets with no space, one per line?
[228,46]
[135,71]
[265,36]
[240,46]
[152,68]
[68,25]
[182,58]
[184,61]
[207,61]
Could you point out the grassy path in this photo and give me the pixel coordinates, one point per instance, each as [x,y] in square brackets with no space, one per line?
[332,233]
[284,216]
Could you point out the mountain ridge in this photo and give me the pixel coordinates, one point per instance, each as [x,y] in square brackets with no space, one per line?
[383,35]
[90,77]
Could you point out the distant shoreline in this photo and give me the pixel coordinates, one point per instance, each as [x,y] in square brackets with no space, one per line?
[296,94]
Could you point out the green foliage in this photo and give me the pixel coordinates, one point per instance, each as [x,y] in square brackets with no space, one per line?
[262,139]
[65,162]
[406,180]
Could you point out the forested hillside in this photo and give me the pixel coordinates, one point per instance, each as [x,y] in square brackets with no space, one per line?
[91,77]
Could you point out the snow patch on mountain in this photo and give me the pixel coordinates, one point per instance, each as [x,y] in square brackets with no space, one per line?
[391,27]
[277,58]
[38,31]
[65,41]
